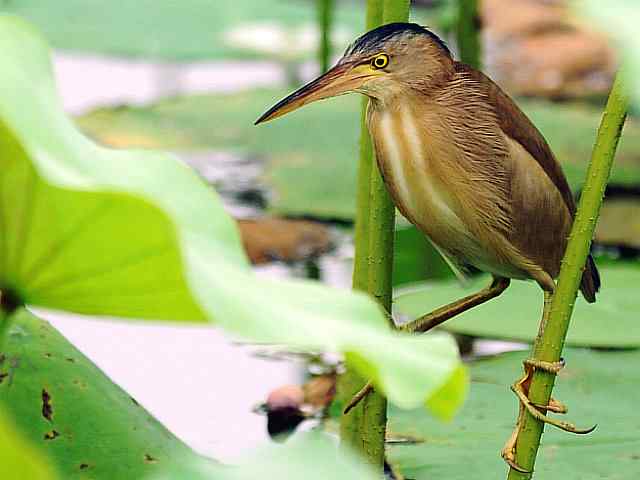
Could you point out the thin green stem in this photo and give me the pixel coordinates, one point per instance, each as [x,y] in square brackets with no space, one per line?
[325,22]
[468,33]
[550,341]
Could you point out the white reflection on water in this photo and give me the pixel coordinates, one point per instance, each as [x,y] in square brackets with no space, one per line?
[193,379]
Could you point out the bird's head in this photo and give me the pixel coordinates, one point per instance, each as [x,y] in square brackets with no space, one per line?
[380,64]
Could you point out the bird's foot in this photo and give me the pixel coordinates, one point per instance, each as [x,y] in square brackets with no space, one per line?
[521,389]
[508,452]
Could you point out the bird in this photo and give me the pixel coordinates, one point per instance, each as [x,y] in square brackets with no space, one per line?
[464,164]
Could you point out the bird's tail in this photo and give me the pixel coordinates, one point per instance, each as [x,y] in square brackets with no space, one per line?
[590,283]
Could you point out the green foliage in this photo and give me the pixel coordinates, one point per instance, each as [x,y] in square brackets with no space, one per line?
[137,234]
[305,149]
[611,322]
[18,459]
[599,387]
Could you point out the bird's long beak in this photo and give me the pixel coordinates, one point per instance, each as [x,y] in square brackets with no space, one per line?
[343,78]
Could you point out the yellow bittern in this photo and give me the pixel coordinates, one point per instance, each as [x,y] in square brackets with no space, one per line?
[464,164]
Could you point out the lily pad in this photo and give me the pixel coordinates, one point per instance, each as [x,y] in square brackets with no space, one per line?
[610,322]
[598,387]
[312,154]
[137,234]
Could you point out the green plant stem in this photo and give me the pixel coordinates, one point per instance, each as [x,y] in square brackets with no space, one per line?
[325,22]
[468,33]
[550,340]
[363,429]
[365,426]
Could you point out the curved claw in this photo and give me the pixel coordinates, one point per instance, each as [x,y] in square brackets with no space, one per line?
[562,425]
[515,466]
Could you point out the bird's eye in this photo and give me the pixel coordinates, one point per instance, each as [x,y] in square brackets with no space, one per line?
[380,61]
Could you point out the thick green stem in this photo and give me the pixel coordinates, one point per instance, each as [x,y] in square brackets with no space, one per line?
[325,22]
[364,427]
[550,340]
[468,33]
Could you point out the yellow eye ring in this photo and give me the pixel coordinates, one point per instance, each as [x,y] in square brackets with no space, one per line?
[380,61]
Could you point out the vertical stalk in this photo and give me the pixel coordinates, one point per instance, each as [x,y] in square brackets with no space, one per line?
[363,429]
[365,426]
[468,33]
[550,340]
[325,22]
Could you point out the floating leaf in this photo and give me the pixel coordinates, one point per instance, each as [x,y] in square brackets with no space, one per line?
[137,234]
[610,322]
[598,387]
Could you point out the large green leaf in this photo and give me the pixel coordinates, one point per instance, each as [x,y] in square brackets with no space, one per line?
[307,148]
[18,459]
[86,425]
[610,322]
[598,387]
[137,234]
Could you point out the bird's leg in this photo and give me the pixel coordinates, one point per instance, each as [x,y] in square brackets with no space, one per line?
[442,314]
[437,317]
[521,389]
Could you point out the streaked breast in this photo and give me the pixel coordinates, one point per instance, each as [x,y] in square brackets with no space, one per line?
[406,161]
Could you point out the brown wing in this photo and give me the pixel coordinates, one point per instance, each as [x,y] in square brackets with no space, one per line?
[517,125]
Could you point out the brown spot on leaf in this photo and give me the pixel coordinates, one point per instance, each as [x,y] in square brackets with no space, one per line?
[71,360]
[3,357]
[84,466]
[149,459]
[47,410]
[135,402]
[51,435]
[3,375]
[48,355]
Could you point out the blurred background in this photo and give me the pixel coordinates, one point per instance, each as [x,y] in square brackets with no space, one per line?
[191,76]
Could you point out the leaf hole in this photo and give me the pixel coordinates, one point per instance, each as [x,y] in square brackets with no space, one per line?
[47,409]
[149,459]
[51,435]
